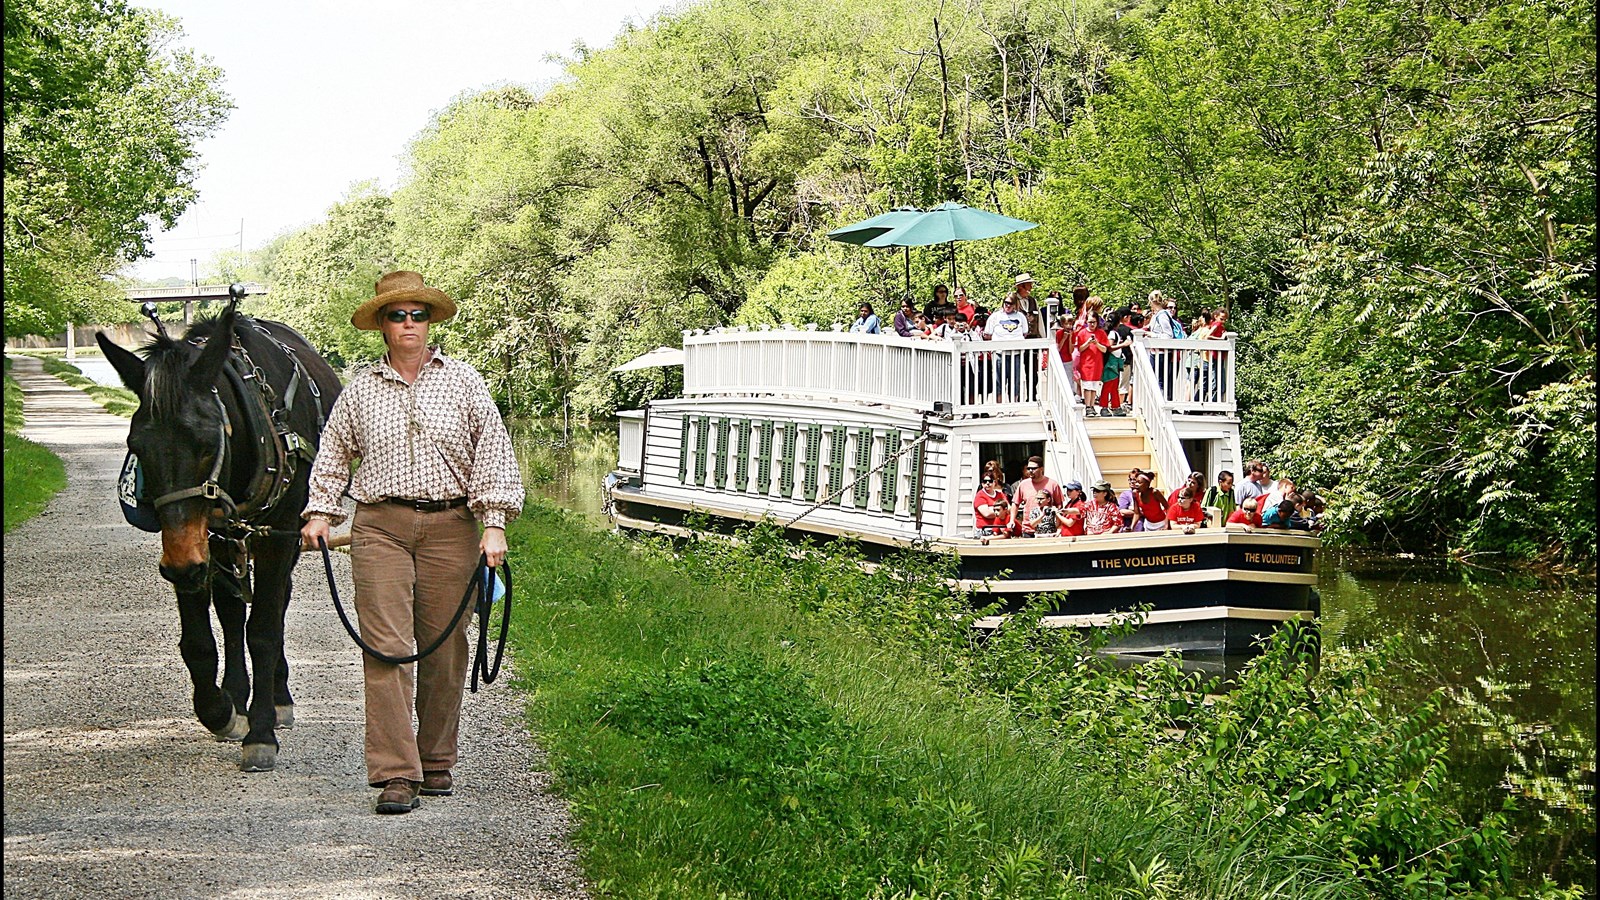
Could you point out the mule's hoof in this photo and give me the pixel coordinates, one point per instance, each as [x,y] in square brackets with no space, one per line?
[258,758]
[237,728]
[285,715]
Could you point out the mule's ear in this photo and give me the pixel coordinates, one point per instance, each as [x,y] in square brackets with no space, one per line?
[129,366]
[203,374]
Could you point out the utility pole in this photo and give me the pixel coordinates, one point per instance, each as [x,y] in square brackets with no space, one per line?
[194,282]
[72,341]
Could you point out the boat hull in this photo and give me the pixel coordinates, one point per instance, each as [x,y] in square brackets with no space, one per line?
[1216,592]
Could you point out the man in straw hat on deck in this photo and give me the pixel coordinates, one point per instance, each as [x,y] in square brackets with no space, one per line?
[435,462]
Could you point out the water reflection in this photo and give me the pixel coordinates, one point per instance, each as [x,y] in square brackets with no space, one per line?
[1515,659]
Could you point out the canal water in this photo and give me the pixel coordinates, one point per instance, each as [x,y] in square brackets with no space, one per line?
[1513,657]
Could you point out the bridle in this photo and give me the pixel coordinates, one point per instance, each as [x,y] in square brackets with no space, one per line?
[211,488]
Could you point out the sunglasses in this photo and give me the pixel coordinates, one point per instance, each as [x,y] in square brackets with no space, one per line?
[1030,468]
[988,481]
[399,315]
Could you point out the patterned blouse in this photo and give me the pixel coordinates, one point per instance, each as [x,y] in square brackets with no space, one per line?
[438,438]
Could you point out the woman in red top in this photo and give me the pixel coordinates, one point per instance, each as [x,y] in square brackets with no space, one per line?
[1091,342]
[1070,515]
[990,507]
[1149,507]
[1185,511]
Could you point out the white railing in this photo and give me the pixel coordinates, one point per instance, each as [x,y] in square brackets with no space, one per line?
[1172,466]
[1192,375]
[970,376]
[1071,452]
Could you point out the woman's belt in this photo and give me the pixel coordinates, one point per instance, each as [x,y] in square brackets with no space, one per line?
[427,505]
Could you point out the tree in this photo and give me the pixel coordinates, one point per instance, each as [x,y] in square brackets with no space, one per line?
[102,117]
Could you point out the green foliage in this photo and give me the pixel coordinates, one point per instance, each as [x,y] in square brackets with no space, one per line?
[748,719]
[102,118]
[33,474]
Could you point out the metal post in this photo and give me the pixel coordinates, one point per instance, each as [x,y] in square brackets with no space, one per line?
[194,282]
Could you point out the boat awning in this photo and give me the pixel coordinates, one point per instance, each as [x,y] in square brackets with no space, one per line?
[660,356]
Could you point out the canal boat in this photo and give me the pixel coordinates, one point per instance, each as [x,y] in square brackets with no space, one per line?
[882,440]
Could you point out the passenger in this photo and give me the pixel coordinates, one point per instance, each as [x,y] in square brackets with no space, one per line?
[1257,480]
[1149,507]
[1070,515]
[1022,293]
[946,329]
[1125,499]
[1111,375]
[1311,509]
[1280,516]
[1164,321]
[1007,325]
[1280,490]
[1220,496]
[905,319]
[1100,514]
[965,307]
[936,308]
[990,506]
[1246,514]
[1091,342]
[1185,511]
[866,321]
[1034,491]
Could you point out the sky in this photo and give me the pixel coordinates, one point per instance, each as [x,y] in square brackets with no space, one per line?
[327,94]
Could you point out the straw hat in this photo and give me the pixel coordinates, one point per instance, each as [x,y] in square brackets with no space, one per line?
[1023,279]
[396,287]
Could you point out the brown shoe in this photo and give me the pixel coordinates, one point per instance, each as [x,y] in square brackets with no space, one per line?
[398,796]
[438,784]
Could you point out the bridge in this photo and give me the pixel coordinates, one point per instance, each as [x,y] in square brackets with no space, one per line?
[190,293]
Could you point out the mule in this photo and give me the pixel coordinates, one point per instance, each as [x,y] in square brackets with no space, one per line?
[228,423]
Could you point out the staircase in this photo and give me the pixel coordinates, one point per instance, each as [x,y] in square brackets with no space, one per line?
[1119,446]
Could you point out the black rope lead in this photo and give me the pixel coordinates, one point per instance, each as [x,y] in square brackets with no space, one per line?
[480,581]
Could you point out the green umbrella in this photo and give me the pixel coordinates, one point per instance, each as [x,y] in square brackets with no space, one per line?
[947,223]
[880,224]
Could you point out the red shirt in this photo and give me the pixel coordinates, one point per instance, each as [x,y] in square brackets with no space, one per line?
[1245,517]
[986,497]
[967,311]
[1070,518]
[1194,515]
[1102,518]
[1153,508]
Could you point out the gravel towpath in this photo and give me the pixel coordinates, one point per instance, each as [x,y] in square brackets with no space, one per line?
[114,790]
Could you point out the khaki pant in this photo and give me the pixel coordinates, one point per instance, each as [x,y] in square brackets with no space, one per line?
[410,569]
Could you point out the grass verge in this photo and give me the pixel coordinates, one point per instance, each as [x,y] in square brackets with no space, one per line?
[740,723]
[33,474]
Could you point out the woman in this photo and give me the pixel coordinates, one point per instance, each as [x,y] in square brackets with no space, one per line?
[866,321]
[905,319]
[1070,515]
[435,461]
[1149,506]
[935,310]
[1091,342]
[991,509]
[1101,515]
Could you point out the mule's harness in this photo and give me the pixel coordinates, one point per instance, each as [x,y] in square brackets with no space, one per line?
[281,447]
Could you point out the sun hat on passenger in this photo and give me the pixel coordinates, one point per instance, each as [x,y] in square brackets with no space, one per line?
[1103,485]
[1023,279]
[398,287]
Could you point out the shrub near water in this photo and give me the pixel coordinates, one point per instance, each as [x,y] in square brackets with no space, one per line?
[741,720]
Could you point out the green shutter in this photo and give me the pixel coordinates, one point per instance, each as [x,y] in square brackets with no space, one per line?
[702,431]
[813,459]
[684,447]
[719,470]
[764,472]
[836,465]
[891,472]
[741,466]
[791,436]
[863,489]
